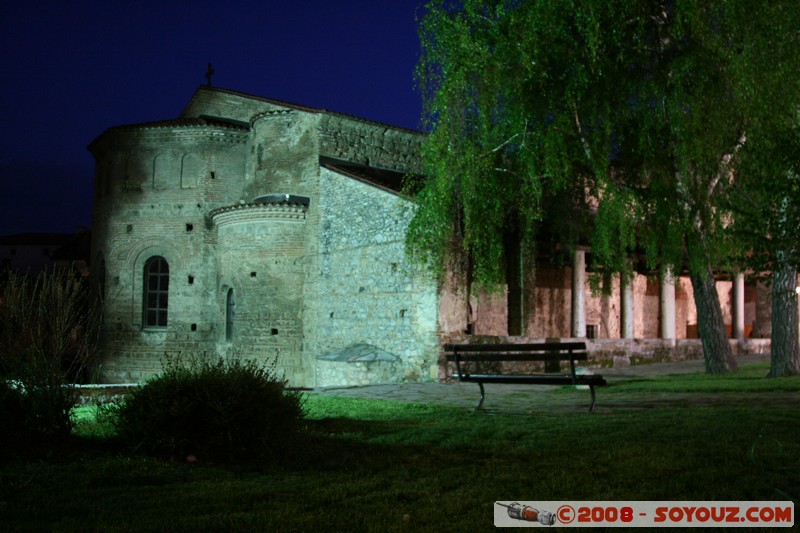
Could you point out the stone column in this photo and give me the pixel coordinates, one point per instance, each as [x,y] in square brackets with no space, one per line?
[762,325]
[667,304]
[578,296]
[626,306]
[737,313]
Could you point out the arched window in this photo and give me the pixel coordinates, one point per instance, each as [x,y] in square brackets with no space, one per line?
[156,292]
[229,305]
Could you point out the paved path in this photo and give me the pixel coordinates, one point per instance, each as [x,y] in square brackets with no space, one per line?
[523,398]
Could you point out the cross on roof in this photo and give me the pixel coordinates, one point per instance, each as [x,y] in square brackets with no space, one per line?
[209,73]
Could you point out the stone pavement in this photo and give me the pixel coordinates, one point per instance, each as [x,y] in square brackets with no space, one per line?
[519,399]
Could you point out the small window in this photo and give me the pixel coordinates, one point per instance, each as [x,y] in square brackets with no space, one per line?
[229,308]
[591,331]
[101,279]
[156,292]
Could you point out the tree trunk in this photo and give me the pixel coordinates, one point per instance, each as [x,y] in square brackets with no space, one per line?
[785,348]
[716,348]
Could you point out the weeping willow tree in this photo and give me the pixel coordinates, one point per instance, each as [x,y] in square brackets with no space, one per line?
[766,190]
[636,112]
[766,210]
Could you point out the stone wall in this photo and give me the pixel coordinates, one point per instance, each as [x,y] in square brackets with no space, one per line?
[369,144]
[247,278]
[361,288]
[283,154]
[153,189]
[259,258]
[216,102]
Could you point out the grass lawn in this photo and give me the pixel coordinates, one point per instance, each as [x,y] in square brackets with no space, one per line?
[370,465]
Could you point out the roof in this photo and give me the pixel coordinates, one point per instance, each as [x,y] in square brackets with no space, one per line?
[184,122]
[36,239]
[389,180]
[298,107]
[77,248]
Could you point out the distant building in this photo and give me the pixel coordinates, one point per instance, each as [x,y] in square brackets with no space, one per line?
[249,226]
[31,253]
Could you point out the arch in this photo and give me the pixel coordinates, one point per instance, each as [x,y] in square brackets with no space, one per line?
[136,260]
[163,171]
[138,171]
[191,168]
[155,299]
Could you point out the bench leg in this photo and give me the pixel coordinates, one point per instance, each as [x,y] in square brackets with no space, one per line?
[591,389]
[480,403]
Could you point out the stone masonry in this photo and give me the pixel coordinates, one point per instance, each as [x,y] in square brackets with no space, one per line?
[282,229]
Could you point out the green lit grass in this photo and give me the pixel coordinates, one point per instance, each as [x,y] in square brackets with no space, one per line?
[749,378]
[369,465]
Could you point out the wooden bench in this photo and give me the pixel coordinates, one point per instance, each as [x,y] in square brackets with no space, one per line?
[466,355]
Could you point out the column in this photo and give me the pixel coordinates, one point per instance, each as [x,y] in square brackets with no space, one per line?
[667,304]
[578,295]
[626,306]
[737,313]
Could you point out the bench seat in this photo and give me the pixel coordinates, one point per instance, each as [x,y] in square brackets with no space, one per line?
[461,354]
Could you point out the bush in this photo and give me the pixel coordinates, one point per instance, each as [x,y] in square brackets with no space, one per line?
[48,340]
[223,410]
[31,422]
[13,412]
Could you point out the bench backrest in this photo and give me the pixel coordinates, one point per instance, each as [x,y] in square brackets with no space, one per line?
[542,351]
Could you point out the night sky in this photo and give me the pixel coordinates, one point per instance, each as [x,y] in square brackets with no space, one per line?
[72,69]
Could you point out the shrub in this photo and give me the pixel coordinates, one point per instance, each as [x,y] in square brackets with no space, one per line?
[48,337]
[13,412]
[223,410]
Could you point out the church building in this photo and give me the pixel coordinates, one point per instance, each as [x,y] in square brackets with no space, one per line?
[250,227]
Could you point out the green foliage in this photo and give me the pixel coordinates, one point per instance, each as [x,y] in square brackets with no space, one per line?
[484,177]
[630,117]
[636,109]
[222,410]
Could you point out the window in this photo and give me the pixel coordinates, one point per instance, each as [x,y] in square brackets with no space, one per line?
[229,304]
[101,279]
[156,292]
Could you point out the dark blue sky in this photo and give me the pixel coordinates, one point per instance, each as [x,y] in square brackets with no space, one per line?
[71,69]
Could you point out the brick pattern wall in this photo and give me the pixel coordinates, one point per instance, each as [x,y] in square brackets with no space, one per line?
[260,256]
[144,208]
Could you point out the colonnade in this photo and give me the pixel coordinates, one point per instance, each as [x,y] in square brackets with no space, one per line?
[666,303]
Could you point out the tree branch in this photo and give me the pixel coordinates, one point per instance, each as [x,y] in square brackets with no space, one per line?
[498,147]
[586,149]
[524,134]
[725,164]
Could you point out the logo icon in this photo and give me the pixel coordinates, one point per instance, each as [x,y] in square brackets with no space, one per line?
[518,511]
